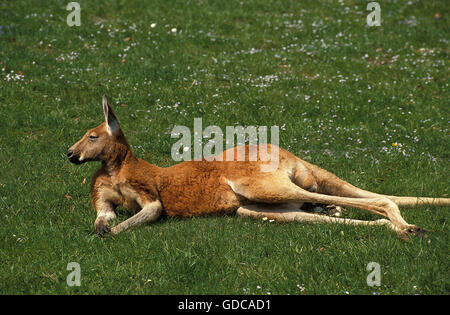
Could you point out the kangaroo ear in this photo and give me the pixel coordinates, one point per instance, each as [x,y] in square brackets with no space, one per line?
[111,120]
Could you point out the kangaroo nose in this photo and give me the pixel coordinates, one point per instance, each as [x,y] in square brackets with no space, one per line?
[69,153]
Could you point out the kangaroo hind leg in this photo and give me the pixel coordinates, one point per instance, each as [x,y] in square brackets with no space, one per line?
[288,213]
[278,189]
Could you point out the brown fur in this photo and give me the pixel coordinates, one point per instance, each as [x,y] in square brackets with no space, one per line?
[214,187]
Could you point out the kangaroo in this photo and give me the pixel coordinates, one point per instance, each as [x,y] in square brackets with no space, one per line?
[194,188]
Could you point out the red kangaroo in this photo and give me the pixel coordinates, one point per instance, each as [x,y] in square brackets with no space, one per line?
[204,187]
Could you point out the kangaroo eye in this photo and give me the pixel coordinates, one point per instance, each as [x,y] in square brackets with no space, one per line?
[91,137]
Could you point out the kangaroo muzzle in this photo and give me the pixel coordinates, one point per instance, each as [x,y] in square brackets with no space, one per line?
[74,158]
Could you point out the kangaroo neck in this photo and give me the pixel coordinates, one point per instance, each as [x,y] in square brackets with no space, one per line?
[120,155]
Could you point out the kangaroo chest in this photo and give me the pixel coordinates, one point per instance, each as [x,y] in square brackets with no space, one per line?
[128,197]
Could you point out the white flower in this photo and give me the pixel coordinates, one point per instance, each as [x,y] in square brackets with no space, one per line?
[173,30]
[153,25]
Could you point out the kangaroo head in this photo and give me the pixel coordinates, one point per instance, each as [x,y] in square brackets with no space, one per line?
[102,143]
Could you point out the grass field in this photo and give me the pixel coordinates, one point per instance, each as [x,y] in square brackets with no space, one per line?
[370,104]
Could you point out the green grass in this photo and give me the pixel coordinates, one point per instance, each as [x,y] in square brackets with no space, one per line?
[341,92]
